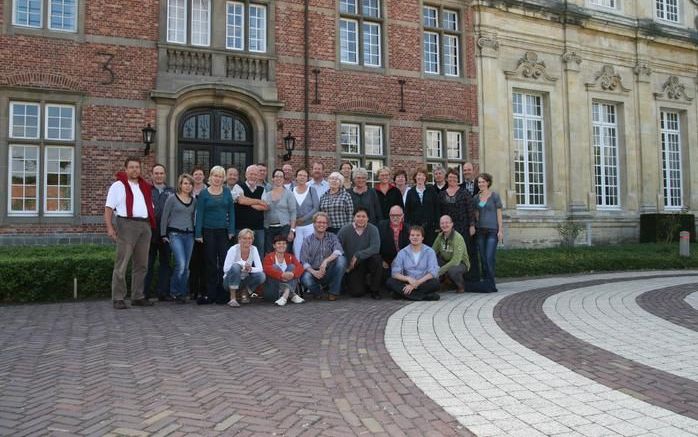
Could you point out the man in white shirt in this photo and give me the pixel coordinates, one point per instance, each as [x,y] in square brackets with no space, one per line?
[288,176]
[130,197]
[318,179]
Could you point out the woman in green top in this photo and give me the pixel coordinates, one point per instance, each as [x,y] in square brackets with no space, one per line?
[451,254]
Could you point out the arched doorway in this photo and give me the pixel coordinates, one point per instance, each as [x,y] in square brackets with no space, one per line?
[212,136]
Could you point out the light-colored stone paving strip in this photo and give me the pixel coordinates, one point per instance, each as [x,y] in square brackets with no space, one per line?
[610,318]
[457,354]
[692,300]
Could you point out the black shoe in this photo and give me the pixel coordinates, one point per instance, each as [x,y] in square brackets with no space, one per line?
[203,300]
[141,303]
[166,299]
[120,305]
[180,300]
[376,295]
[431,297]
[397,296]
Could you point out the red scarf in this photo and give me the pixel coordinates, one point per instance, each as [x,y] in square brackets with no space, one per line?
[145,188]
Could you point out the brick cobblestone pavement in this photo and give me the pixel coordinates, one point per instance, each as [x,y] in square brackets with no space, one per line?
[672,304]
[502,367]
[320,368]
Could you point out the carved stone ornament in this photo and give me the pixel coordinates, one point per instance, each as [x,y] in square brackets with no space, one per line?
[571,56]
[642,69]
[608,80]
[674,90]
[489,46]
[530,67]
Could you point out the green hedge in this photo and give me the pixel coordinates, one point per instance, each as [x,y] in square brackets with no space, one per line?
[45,274]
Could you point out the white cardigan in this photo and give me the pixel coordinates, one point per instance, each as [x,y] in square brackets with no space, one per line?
[233,257]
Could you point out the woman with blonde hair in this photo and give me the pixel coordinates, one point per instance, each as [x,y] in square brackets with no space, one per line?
[215,226]
[388,194]
[336,202]
[242,269]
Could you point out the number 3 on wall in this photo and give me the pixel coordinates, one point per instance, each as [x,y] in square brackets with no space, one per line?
[106,66]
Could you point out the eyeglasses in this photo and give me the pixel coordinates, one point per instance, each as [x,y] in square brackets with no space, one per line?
[396,215]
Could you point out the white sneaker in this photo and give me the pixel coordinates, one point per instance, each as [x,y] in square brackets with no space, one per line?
[297,299]
[233,303]
[281,301]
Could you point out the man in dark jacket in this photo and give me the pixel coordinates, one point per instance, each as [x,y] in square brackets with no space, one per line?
[159,249]
[394,235]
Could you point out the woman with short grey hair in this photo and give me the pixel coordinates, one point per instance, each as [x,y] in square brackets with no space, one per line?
[336,202]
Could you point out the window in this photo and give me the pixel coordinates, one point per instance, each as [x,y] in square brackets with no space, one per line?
[441,41]
[360,38]
[62,14]
[529,147]
[200,29]
[363,146]
[610,4]
[30,148]
[667,10]
[605,149]
[671,160]
[444,148]
[235,27]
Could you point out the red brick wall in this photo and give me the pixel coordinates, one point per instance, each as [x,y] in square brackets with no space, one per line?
[110,133]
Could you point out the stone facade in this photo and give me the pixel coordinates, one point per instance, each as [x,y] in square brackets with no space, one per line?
[120,69]
[595,79]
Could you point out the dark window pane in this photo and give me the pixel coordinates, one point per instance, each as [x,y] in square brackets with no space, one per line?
[226,128]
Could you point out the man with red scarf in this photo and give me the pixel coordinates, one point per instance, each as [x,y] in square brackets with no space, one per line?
[130,197]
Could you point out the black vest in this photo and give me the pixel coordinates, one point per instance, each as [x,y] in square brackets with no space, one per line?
[246,216]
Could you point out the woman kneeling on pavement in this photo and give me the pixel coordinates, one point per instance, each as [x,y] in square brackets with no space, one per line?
[415,270]
[283,270]
[243,268]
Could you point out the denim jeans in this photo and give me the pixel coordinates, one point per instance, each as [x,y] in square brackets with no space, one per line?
[234,279]
[273,287]
[487,244]
[333,278]
[181,245]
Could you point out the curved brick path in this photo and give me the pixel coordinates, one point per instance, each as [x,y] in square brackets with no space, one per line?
[314,369]
[610,318]
[492,361]
[672,304]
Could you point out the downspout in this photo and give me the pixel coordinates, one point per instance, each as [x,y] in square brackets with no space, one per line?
[306,78]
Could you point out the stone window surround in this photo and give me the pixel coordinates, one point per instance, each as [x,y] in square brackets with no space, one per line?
[445,127]
[362,121]
[43,98]
[10,29]
[680,13]
[383,22]
[218,27]
[441,5]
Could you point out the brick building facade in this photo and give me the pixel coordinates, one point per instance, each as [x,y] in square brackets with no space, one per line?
[379,82]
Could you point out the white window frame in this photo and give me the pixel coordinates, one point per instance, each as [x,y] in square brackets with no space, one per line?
[605,4]
[23,213]
[345,41]
[667,161]
[661,7]
[525,117]
[75,22]
[434,140]
[441,31]
[362,158]
[605,146]
[229,26]
[424,16]
[455,58]
[200,40]
[263,33]
[45,184]
[46,119]
[354,147]
[29,26]
[438,54]
[439,140]
[366,55]
[38,120]
[349,3]
[184,21]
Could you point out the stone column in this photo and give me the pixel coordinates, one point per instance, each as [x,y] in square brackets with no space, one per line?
[647,139]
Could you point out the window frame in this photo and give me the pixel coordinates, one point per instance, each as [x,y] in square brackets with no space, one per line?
[527,194]
[42,144]
[664,9]
[48,18]
[663,132]
[10,134]
[27,26]
[445,161]
[596,4]
[361,21]
[190,38]
[602,199]
[263,7]
[185,20]
[362,157]
[441,32]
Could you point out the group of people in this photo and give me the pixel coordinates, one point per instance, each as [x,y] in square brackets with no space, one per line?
[301,235]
